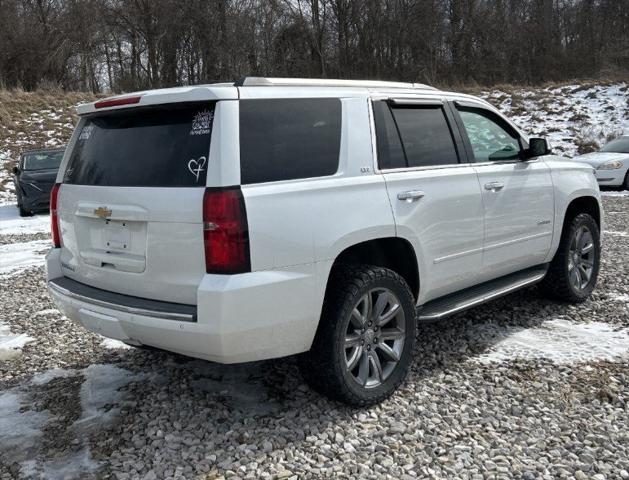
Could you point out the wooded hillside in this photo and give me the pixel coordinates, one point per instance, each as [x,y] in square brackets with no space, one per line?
[123,45]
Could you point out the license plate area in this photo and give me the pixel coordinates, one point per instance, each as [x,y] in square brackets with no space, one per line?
[116,236]
[112,244]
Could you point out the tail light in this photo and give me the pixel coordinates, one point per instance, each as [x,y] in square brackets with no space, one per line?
[225,231]
[54,219]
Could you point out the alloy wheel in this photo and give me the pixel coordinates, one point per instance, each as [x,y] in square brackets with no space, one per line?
[581,258]
[374,339]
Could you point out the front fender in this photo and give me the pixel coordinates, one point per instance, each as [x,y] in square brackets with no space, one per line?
[571,181]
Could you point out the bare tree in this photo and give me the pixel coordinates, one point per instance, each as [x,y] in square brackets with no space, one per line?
[123,45]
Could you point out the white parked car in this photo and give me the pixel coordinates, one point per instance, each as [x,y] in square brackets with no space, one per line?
[611,163]
[275,217]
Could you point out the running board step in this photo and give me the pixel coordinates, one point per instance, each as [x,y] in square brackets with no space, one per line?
[473,296]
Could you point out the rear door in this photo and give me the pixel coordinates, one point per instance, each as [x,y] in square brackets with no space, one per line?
[436,198]
[518,195]
[130,207]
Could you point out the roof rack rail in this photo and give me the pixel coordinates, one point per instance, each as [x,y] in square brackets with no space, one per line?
[324,82]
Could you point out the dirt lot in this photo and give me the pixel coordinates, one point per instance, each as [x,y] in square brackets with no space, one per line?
[521,388]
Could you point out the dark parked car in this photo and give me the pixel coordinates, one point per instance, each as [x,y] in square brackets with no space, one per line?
[35,175]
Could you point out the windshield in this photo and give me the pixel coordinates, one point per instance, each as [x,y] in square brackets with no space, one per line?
[620,145]
[42,160]
[151,147]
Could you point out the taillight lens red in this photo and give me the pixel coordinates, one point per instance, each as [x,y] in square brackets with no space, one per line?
[54,218]
[117,101]
[225,231]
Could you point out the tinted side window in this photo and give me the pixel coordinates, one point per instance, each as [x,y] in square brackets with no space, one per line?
[390,151]
[490,140]
[426,136]
[284,139]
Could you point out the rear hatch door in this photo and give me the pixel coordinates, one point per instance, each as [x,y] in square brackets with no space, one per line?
[130,207]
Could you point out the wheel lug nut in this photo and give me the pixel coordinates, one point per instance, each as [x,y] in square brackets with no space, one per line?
[375,340]
[368,347]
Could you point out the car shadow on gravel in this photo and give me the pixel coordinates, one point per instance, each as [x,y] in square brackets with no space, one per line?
[273,387]
[269,387]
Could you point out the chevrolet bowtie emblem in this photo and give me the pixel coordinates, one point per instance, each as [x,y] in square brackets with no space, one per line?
[102,212]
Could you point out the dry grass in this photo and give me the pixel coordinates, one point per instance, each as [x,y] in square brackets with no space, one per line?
[590,139]
[607,78]
[17,104]
[30,120]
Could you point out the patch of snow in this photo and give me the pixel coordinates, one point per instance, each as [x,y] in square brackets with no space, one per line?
[622,297]
[560,341]
[616,233]
[20,430]
[567,113]
[43,378]
[74,465]
[48,311]
[101,388]
[114,344]
[607,193]
[11,345]
[12,223]
[16,257]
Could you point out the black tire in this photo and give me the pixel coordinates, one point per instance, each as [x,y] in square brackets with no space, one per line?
[24,212]
[557,284]
[325,366]
[626,184]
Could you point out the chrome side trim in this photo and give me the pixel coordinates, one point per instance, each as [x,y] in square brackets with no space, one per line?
[516,240]
[120,308]
[458,255]
[492,246]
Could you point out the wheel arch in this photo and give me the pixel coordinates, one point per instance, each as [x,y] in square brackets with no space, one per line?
[585,200]
[394,253]
[583,204]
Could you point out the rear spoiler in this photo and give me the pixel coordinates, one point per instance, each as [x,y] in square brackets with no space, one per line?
[162,96]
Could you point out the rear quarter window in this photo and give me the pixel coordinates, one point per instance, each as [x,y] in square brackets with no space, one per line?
[145,147]
[286,139]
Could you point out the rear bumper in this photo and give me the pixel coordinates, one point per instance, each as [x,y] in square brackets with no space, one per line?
[237,318]
[70,289]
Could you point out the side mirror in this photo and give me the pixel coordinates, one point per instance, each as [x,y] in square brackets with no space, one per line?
[538,147]
[16,170]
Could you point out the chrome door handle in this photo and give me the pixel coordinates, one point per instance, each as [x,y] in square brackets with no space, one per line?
[411,195]
[494,186]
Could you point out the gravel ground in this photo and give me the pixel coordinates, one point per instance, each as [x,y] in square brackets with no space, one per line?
[72,406]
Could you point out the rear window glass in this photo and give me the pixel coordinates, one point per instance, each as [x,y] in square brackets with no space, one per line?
[42,160]
[149,147]
[285,139]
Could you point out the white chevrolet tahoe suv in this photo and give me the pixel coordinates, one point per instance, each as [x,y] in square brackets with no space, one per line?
[274,217]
